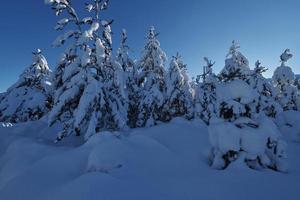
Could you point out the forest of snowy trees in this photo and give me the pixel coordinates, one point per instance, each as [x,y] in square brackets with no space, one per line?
[95,88]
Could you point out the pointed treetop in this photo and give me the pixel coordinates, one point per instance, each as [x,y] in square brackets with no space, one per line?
[233,48]
[178,59]
[259,68]
[177,56]
[207,69]
[209,63]
[124,36]
[152,33]
[257,64]
[37,52]
[285,56]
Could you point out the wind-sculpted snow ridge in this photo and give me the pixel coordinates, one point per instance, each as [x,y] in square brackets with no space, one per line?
[166,162]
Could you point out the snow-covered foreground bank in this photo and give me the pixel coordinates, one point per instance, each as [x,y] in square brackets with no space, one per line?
[164,162]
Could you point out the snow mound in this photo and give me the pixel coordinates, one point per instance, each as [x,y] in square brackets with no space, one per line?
[288,123]
[236,89]
[283,74]
[244,135]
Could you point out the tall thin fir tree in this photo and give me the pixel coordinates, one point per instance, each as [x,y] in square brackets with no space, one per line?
[30,97]
[179,99]
[131,80]
[283,79]
[116,96]
[152,80]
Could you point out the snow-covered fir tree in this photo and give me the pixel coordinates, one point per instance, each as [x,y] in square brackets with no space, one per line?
[132,80]
[205,96]
[152,80]
[113,77]
[241,133]
[88,81]
[30,97]
[283,79]
[123,53]
[236,66]
[179,99]
[267,92]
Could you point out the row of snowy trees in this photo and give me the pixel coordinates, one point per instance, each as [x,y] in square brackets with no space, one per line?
[92,90]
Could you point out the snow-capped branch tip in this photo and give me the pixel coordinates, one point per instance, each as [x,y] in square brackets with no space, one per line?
[259,68]
[50,2]
[97,6]
[209,63]
[177,56]
[104,5]
[124,36]
[37,52]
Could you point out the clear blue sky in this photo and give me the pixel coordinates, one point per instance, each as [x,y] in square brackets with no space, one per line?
[195,28]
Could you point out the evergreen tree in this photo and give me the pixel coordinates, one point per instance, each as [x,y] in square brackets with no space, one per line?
[236,66]
[283,79]
[132,80]
[88,81]
[123,53]
[152,80]
[205,95]
[241,132]
[179,92]
[30,97]
[267,93]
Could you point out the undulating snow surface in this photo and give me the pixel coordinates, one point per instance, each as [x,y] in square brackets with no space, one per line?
[167,162]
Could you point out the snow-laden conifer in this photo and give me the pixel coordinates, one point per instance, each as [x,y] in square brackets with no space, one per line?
[283,79]
[30,97]
[205,93]
[241,133]
[179,98]
[89,88]
[133,90]
[267,93]
[152,80]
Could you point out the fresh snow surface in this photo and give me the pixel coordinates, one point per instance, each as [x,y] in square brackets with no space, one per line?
[166,162]
[289,124]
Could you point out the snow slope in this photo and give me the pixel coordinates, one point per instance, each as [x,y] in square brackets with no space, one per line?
[166,162]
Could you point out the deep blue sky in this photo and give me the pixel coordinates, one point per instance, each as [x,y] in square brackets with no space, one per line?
[195,28]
